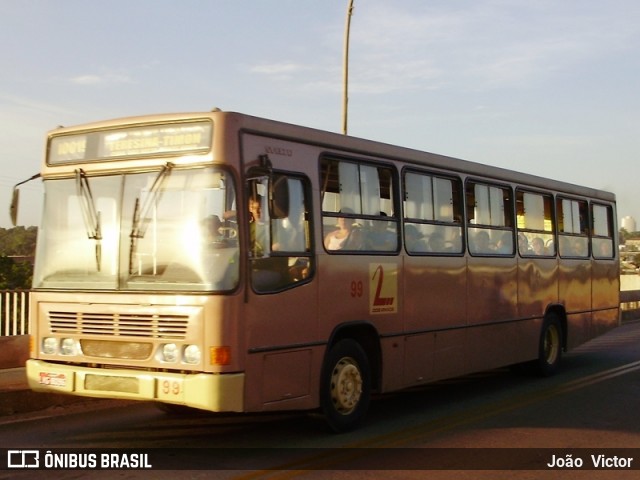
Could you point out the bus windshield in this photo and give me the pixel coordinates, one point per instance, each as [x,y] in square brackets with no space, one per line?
[160,230]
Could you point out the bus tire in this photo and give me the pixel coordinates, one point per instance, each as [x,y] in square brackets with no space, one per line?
[550,346]
[345,388]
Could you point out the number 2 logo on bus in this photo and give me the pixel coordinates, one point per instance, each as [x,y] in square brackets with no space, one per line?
[383,288]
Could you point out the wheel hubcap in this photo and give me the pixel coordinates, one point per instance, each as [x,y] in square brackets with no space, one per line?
[346,386]
[551,344]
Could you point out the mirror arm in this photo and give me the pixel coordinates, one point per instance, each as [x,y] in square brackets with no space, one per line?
[15,197]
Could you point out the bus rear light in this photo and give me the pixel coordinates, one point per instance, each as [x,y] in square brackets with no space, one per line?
[220,355]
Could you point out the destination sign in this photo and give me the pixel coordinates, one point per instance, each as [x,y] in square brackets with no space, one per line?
[112,144]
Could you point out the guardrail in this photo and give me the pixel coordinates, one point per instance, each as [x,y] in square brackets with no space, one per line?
[630,305]
[14,310]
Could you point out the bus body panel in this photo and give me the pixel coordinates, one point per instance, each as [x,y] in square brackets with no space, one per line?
[575,292]
[537,286]
[435,290]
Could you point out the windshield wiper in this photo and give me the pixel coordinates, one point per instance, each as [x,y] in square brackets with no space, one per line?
[90,214]
[141,214]
[140,220]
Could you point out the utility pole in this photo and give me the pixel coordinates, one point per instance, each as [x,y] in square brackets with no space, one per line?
[345,68]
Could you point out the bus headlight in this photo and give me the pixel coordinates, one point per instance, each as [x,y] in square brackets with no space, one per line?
[50,346]
[170,353]
[68,347]
[192,354]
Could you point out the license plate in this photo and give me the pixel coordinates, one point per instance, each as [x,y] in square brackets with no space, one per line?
[53,379]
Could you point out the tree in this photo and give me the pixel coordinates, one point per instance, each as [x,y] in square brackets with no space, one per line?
[18,241]
[17,251]
[623,234]
[15,275]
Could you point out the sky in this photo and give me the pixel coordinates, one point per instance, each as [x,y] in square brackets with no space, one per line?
[545,87]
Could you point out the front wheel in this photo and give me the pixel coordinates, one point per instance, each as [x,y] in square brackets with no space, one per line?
[345,390]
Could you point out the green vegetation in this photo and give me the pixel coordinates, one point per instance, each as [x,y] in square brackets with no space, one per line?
[17,251]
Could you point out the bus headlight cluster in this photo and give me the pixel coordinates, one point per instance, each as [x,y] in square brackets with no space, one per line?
[171,353]
[66,346]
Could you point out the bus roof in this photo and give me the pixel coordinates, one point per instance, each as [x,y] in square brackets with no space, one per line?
[342,144]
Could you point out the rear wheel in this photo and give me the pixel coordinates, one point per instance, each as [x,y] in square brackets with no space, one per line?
[345,390]
[550,347]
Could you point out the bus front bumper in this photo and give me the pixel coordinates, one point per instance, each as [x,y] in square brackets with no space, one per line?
[207,391]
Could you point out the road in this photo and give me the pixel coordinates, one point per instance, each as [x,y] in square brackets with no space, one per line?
[494,420]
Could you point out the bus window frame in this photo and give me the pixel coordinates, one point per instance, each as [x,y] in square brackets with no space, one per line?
[483,227]
[327,216]
[594,237]
[277,255]
[552,233]
[583,235]
[458,213]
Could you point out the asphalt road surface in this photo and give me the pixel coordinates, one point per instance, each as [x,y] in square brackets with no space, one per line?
[496,424]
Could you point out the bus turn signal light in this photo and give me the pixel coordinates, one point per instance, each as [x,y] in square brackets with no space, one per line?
[220,355]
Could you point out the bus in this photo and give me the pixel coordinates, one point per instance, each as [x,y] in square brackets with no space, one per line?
[231,263]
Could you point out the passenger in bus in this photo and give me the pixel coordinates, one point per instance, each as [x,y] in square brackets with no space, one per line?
[380,238]
[537,245]
[579,247]
[505,244]
[346,236]
[564,246]
[604,248]
[481,243]
[436,243]
[523,245]
[257,229]
[337,239]
[413,240]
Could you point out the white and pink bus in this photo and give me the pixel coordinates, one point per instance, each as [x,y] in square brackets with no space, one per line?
[237,264]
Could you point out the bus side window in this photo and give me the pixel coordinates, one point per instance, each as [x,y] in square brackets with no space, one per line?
[288,260]
[358,211]
[602,231]
[489,219]
[536,225]
[432,214]
[573,228]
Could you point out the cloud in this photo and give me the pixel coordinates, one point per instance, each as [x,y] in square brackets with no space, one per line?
[316,76]
[16,106]
[280,71]
[277,68]
[101,79]
[487,45]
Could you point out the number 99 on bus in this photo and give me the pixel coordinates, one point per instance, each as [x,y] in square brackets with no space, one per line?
[356,288]
[170,388]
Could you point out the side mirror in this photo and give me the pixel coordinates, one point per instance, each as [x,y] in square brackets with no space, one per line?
[278,197]
[13,208]
[15,199]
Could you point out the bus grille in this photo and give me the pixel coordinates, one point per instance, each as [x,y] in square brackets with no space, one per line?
[130,325]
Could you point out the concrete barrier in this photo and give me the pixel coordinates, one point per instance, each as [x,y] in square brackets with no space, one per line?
[14,351]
